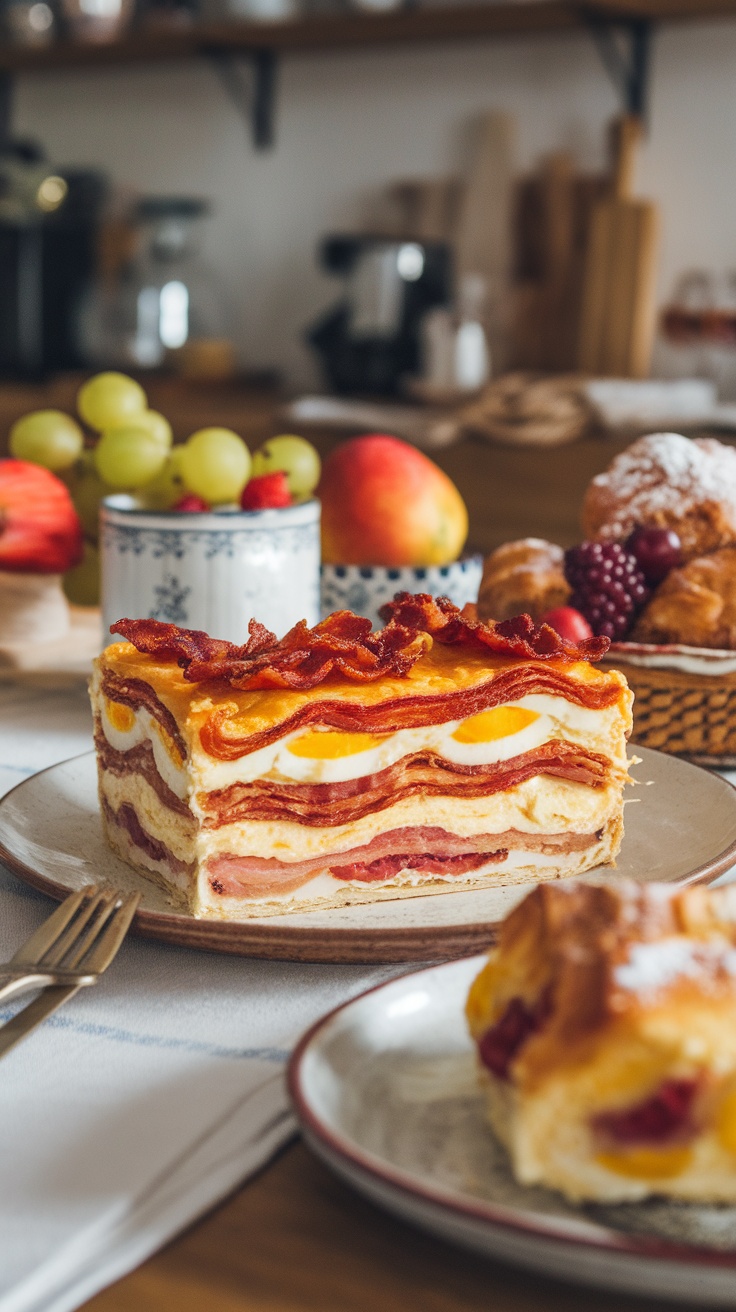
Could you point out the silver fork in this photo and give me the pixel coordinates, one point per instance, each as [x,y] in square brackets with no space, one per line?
[67,952]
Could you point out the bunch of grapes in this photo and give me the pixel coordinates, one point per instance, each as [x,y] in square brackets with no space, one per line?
[131,451]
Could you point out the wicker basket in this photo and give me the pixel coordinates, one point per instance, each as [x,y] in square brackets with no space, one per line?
[684,699]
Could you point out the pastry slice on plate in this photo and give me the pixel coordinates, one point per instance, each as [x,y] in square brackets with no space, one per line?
[605,1022]
[341,765]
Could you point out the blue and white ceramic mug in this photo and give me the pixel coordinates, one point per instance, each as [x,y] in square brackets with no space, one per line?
[365,588]
[213,571]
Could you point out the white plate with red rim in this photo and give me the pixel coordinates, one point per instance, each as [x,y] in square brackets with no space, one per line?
[386,1092]
[680,828]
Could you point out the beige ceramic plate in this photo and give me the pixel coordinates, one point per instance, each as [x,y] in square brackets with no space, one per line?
[386,1092]
[680,827]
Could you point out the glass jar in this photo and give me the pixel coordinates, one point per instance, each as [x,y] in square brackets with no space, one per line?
[166,301]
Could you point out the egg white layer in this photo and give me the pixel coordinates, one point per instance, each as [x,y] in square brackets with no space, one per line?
[598,730]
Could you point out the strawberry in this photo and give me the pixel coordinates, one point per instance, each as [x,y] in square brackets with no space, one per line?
[40,532]
[191,504]
[266,492]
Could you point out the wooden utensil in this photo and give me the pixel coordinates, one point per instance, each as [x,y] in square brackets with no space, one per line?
[618,311]
[483,238]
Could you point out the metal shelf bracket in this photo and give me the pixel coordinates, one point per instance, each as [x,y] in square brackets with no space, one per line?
[624,45]
[253,92]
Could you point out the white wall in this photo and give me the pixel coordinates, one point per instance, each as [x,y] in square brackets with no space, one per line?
[347,123]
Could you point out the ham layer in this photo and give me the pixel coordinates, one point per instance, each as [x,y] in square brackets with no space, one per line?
[428,850]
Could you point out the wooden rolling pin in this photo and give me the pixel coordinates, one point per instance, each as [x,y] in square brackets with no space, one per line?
[618,314]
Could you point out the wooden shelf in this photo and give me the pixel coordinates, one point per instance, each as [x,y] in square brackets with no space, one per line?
[349,31]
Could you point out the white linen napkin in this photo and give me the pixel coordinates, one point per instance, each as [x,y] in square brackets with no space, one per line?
[143,1100]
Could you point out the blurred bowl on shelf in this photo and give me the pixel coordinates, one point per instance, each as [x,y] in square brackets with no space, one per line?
[365,588]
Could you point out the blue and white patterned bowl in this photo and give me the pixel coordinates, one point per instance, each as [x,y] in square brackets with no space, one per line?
[213,571]
[365,588]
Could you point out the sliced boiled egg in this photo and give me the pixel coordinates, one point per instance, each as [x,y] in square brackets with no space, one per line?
[328,756]
[496,735]
[326,745]
[125,728]
[168,743]
[489,726]
[122,727]
[121,717]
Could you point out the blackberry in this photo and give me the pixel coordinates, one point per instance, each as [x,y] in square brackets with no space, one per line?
[608,586]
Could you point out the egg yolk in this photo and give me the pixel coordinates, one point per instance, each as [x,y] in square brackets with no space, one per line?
[170,745]
[647,1163]
[120,717]
[321,745]
[499,722]
[727,1122]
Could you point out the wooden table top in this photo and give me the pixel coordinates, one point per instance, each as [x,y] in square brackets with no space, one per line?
[295,1239]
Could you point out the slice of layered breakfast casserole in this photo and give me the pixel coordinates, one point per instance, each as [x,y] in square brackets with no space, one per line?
[340,765]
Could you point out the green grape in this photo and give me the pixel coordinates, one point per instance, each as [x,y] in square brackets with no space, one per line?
[151,422]
[295,456]
[216,465]
[127,458]
[110,400]
[82,583]
[47,437]
[167,487]
[87,490]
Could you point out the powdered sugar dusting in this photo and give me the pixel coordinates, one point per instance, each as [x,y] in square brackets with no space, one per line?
[652,966]
[666,475]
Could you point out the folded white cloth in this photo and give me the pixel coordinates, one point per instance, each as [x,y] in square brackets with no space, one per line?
[146,1099]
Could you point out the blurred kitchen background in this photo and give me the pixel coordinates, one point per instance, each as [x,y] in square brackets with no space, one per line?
[353,126]
[511,221]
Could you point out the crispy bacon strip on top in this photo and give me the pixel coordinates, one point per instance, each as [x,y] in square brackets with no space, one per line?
[519,636]
[345,644]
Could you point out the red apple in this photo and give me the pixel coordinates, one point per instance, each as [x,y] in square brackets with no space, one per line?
[568,622]
[385,503]
[40,532]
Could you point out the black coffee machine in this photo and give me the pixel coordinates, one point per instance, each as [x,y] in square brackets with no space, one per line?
[369,341]
[49,222]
